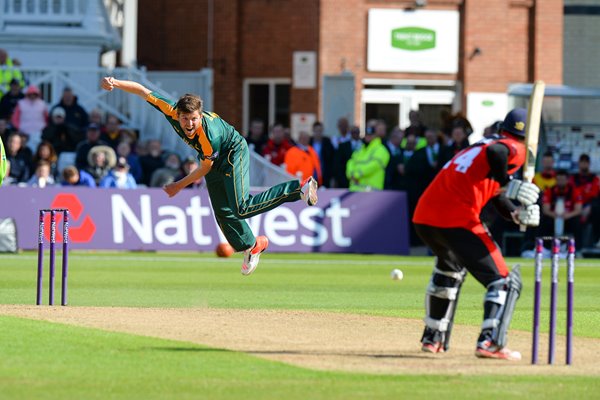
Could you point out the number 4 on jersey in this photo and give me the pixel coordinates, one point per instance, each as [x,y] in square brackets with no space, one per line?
[464,160]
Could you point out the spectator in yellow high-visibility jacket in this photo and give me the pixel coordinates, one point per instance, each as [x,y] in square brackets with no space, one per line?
[3,162]
[8,72]
[366,168]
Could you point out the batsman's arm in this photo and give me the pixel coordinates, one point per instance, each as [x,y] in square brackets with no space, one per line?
[515,189]
[173,188]
[504,206]
[109,83]
[497,155]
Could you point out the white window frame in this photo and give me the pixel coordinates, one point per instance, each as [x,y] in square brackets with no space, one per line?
[405,99]
[272,82]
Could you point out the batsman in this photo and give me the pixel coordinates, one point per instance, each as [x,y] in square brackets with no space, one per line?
[447,220]
[224,162]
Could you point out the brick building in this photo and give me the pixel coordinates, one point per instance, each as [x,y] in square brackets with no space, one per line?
[298,60]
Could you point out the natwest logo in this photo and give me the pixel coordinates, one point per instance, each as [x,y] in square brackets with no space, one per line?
[80,231]
[194,223]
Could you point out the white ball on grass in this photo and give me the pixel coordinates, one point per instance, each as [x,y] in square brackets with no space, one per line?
[397,275]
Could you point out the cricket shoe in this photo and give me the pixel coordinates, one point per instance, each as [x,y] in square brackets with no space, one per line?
[308,191]
[487,349]
[432,341]
[432,347]
[252,255]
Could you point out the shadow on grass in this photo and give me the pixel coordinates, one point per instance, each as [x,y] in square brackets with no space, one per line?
[341,354]
[189,349]
[290,352]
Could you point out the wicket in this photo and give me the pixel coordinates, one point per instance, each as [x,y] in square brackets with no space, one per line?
[554,268]
[65,258]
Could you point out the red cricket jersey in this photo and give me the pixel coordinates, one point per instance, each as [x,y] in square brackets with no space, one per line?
[277,151]
[570,193]
[461,189]
[588,186]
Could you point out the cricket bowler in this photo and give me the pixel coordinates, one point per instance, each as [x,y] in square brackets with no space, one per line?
[224,163]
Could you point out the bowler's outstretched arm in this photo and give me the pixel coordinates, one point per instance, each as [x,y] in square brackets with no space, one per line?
[109,83]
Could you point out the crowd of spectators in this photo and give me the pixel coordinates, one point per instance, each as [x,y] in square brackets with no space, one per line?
[65,144]
[408,159]
[570,202]
[570,205]
[93,156]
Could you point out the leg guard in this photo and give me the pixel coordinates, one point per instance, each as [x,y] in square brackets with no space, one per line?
[440,302]
[499,305]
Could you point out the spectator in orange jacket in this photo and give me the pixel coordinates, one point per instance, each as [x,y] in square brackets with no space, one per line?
[303,161]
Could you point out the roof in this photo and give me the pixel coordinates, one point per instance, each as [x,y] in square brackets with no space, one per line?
[524,90]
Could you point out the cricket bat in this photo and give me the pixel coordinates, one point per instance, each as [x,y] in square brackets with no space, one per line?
[532,131]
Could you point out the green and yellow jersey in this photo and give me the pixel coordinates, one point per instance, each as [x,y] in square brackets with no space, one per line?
[213,139]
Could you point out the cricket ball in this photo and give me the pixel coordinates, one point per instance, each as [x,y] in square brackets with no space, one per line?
[224,250]
[397,275]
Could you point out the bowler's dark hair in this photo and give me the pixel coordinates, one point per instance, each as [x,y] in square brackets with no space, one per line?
[188,103]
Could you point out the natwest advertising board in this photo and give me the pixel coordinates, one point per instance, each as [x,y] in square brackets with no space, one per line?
[147,219]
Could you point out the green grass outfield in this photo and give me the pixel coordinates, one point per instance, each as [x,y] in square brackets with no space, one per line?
[47,360]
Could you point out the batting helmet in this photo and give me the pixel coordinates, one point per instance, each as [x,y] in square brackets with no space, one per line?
[515,122]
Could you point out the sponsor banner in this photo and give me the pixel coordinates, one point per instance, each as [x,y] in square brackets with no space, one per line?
[413,41]
[146,219]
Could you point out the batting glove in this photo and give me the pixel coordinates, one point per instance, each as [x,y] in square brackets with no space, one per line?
[524,192]
[528,215]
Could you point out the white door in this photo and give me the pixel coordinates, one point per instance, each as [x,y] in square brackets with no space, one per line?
[393,106]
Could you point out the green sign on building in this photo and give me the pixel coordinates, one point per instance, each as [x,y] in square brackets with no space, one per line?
[413,38]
